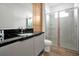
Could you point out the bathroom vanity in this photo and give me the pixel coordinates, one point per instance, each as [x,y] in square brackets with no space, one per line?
[29,44]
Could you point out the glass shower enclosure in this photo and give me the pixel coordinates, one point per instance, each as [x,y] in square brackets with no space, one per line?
[63,28]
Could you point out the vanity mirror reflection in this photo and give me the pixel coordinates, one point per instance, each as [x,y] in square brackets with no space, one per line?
[29,23]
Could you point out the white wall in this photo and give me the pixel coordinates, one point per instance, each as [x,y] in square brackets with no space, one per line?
[14,15]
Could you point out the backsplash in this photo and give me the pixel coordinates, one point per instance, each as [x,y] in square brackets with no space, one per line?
[30,30]
[9,33]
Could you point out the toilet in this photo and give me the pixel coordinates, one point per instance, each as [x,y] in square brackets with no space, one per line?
[48,45]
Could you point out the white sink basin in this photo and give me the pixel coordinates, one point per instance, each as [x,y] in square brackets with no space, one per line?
[26,34]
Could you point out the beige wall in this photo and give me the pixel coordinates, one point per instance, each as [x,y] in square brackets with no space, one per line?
[37,17]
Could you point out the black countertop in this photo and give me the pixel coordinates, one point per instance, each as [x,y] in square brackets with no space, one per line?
[18,38]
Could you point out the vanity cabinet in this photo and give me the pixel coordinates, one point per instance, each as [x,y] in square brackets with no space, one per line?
[29,47]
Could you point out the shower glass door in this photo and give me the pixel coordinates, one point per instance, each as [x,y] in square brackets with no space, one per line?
[68,30]
[62,29]
[52,28]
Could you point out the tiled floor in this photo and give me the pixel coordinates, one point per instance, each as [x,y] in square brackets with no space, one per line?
[61,52]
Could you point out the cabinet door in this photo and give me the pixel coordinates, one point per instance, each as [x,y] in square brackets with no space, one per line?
[41,43]
[25,48]
[38,44]
[9,50]
[22,48]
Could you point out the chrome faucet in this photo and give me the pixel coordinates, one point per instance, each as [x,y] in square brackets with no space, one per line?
[21,30]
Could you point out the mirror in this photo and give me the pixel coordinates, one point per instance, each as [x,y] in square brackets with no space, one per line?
[29,23]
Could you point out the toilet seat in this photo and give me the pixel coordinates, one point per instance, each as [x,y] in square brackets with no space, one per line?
[48,42]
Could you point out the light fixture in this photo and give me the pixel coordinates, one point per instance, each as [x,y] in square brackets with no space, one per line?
[56,15]
[63,14]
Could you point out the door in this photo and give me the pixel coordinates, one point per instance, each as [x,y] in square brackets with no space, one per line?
[68,30]
[52,28]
